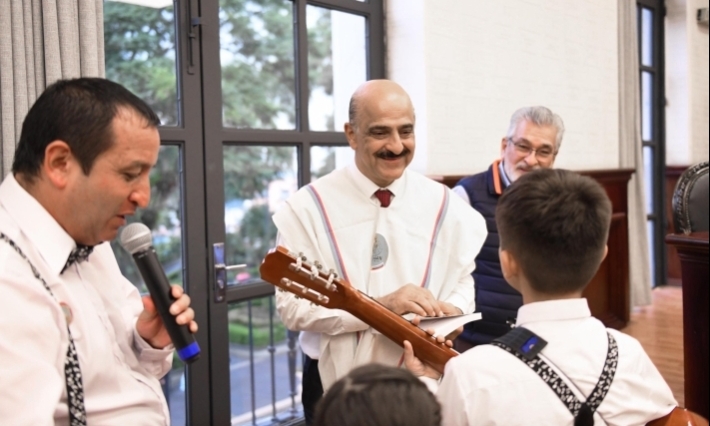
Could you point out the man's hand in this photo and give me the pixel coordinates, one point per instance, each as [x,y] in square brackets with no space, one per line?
[150,326]
[412,298]
[449,310]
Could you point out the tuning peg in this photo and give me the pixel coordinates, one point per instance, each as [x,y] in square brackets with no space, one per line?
[318,265]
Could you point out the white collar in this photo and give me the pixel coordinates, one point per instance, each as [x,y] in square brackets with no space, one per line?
[48,237]
[503,174]
[368,187]
[553,310]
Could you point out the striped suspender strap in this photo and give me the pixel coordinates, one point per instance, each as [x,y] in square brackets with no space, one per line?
[526,346]
[72,373]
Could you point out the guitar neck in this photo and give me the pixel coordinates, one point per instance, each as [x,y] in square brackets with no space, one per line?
[290,272]
[398,329]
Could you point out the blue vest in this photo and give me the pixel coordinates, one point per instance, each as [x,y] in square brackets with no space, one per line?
[497,301]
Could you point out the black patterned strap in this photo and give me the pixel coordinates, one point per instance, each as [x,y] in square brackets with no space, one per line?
[526,346]
[72,372]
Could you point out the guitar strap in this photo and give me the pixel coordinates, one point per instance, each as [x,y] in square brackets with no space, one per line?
[72,372]
[526,346]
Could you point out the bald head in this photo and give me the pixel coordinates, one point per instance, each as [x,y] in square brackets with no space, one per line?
[381,130]
[375,91]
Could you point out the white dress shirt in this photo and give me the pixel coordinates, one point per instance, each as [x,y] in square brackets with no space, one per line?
[119,369]
[488,386]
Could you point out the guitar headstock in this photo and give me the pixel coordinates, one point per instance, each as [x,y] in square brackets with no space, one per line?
[293,273]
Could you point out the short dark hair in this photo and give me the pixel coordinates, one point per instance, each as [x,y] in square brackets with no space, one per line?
[79,112]
[555,223]
[378,395]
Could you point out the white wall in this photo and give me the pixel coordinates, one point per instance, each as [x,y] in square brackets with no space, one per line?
[407,61]
[699,83]
[469,64]
[677,84]
[686,84]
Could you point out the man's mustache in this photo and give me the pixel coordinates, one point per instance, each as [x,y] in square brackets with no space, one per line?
[526,168]
[386,154]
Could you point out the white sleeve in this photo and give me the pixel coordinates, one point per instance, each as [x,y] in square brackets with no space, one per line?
[464,296]
[470,234]
[454,395]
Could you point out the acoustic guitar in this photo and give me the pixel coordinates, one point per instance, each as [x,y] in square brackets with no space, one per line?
[293,273]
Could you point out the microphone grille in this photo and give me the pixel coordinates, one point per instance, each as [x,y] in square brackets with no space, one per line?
[136,237]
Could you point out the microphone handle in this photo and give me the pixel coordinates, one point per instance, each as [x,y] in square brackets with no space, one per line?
[154,277]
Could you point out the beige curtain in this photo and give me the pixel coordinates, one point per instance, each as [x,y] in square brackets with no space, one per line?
[42,41]
[631,155]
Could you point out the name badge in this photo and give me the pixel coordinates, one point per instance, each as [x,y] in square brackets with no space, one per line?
[380,252]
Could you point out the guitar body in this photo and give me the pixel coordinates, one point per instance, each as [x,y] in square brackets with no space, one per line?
[291,272]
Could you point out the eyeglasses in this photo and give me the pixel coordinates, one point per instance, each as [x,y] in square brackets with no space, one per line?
[544,153]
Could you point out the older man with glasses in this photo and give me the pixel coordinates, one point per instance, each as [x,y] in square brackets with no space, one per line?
[533,140]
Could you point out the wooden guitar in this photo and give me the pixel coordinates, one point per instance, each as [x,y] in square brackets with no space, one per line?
[292,273]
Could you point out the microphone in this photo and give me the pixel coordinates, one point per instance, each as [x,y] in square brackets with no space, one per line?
[137,240]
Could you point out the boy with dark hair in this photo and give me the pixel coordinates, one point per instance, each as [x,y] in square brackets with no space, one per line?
[378,395]
[559,366]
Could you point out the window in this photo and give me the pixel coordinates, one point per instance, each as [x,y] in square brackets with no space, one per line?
[651,68]
[252,95]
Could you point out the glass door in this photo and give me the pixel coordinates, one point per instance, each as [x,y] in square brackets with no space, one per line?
[252,95]
[148,49]
[278,76]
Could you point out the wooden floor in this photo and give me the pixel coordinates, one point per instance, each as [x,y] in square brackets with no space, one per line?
[659,328]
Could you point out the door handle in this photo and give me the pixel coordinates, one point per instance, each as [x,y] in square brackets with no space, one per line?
[193,22]
[220,272]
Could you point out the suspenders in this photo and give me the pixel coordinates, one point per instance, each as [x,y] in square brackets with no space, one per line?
[72,372]
[526,346]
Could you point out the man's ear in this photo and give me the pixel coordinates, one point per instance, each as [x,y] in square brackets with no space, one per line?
[503,146]
[58,163]
[350,135]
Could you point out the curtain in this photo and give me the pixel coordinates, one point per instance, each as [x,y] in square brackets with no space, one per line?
[42,41]
[631,155]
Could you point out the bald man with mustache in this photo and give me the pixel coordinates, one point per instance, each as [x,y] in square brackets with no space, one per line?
[402,238]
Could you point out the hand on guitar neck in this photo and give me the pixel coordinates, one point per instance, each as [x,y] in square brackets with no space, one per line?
[414,364]
[291,272]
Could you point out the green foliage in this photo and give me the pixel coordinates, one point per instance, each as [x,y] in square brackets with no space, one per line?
[256,236]
[258,71]
[248,170]
[320,56]
[258,90]
[140,54]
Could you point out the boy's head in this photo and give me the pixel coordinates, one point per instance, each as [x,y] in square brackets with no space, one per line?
[378,395]
[554,224]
